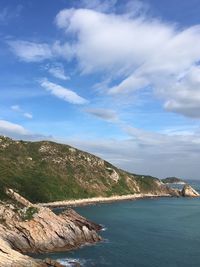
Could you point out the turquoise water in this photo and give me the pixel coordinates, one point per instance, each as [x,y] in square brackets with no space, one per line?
[161,232]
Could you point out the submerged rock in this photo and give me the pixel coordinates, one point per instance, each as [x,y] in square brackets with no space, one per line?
[188,191]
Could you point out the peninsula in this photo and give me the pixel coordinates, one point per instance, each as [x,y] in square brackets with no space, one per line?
[37,176]
[47,171]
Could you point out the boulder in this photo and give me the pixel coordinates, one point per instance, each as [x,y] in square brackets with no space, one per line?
[188,191]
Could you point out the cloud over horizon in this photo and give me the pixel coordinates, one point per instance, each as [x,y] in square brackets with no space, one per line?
[157,154]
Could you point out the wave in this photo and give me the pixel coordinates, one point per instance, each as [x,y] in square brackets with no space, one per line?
[70,262]
[103,228]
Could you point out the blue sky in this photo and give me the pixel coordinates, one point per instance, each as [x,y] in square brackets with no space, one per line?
[120,79]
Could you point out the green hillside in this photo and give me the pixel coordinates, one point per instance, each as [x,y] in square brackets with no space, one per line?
[172,180]
[47,171]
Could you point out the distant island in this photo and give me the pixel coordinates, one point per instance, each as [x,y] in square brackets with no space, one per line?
[173,180]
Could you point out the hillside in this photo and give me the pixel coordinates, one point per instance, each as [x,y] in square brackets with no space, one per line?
[173,180]
[46,171]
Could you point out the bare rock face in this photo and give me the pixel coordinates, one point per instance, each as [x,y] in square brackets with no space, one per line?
[12,258]
[188,191]
[47,232]
[17,197]
[37,229]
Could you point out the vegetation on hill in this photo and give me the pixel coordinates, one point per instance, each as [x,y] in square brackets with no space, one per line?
[46,171]
[172,180]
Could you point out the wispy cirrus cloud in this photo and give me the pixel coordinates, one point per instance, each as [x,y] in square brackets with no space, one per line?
[7,13]
[30,51]
[63,93]
[28,115]
[18,109]
[104,114]
[57,70]
[99,5]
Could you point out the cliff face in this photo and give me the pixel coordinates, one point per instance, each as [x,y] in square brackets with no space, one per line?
[47,171]
[12,258]
[36,229]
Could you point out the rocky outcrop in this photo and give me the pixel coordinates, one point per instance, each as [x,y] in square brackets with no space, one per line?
[188,191]
[17,197]
[36,229]
[12,258]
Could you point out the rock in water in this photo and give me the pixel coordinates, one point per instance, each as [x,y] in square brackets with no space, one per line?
[188,191]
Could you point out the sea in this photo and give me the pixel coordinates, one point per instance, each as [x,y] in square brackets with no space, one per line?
[162,232]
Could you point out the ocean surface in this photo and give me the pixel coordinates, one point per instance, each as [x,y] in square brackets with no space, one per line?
[162,232]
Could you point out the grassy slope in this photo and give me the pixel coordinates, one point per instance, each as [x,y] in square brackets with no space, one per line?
[47,171]
[172,180]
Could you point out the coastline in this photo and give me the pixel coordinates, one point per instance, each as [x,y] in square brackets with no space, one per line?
[98,200]
[176,183]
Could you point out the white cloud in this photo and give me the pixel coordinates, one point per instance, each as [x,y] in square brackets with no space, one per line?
[139,50]
[30,51]
[105,114]
[63,50]
[17,131]
[18,109]
[136,8]
[36,52]
[9,128]
[28,115]
[63,93]
[102,34]
[57,70]
[131,48]
[184,95]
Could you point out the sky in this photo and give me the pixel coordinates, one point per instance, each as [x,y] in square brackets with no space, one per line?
[118,78]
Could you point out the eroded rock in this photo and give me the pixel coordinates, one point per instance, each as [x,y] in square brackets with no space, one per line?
[36,229]
[188,191]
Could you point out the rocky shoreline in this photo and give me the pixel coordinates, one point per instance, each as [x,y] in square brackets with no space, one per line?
[35,229]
